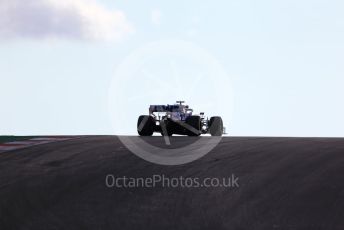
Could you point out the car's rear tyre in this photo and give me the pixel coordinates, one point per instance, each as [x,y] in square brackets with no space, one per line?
[147,126]
[169,133]
[195,123]
[169,128]
[216,126]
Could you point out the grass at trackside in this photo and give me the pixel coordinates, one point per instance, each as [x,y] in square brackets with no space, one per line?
[4,139]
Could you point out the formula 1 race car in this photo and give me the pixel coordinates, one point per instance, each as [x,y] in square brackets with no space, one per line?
[177,119]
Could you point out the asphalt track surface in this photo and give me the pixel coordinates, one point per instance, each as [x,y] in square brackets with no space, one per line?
[284,183]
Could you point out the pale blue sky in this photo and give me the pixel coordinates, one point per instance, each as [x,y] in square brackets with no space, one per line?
[284,60]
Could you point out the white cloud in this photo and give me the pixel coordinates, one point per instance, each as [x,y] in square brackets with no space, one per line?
[156,17]
[66,19]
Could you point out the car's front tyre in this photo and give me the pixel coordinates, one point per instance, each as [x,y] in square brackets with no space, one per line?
[145,125]
[216,126]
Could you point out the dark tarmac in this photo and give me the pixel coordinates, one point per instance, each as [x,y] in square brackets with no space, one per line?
[284,183]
